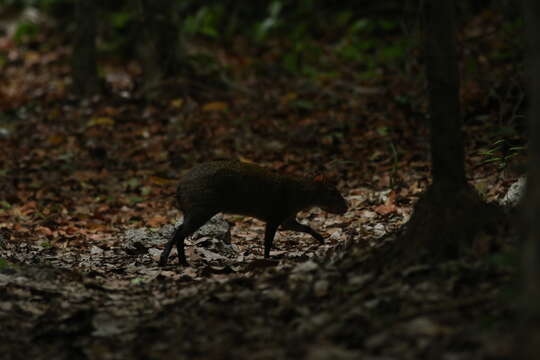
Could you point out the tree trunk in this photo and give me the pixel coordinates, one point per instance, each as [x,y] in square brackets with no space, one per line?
[443,90]
[529,342]
[450,212]
[160,50]
[84,58]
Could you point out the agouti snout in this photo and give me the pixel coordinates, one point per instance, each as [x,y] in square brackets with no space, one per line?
[246,189]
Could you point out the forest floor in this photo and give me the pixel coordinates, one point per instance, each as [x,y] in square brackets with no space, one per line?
[86,196]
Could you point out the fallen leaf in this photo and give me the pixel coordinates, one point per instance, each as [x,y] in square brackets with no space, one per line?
[55,140]
[101,121]
[215,106]
[289,97]
[385,209]
[177,103]
[389,206]
[157,221]
[160,180]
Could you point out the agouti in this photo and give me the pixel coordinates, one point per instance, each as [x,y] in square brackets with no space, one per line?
[240,188]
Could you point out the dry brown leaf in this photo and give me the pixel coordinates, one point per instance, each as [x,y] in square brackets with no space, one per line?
[101,121]
[157,221]
[176,103]
[385,209]
[55,140]
[160,180]
[215,106]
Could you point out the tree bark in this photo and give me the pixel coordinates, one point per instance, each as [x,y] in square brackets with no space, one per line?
[450,213]
[161,50]
[84,57]
[443,89]
[529,342]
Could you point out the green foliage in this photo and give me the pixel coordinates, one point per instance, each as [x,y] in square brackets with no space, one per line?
[302,104]
[370,44]
[297,25]
[513,40]
[120,19]
[383,131]
[263,28]
[206,21]
[18,3]
[4,264]
[508,259]
[501,152]
[26,31]
[302,58]
[292,30]
[40,4]
[4,205]
[204,64]
[117,30]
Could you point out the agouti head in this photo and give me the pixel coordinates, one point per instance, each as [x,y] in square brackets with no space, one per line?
[328,197]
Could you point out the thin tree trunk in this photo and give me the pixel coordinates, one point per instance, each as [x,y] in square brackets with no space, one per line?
[443,89]
[84,57]
[160,50]
[450,213]
[529,343]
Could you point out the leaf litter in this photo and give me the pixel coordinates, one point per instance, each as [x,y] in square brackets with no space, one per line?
[86,206]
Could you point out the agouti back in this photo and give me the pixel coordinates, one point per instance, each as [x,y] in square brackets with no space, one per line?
[240,188]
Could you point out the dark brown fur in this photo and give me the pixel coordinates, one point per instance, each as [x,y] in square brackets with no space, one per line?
[246,189]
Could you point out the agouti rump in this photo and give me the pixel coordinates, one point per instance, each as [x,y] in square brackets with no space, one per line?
[240,188]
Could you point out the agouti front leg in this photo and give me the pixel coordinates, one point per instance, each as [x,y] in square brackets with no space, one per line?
[168,247]
[269,234]
[191,224]
[292,224]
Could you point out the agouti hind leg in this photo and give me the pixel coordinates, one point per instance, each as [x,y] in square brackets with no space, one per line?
[292,224]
